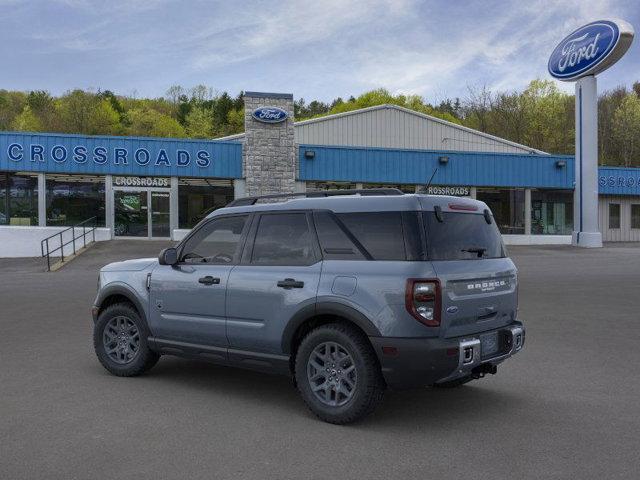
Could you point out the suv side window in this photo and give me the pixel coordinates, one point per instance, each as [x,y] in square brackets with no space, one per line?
[216,242]
[334,242]
[283,239]
[380,233]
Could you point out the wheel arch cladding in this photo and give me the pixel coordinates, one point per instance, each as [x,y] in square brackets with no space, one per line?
[323,313]
[111,295]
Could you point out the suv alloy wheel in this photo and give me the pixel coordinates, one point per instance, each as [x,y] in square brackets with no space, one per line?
[337,374]
[120,341]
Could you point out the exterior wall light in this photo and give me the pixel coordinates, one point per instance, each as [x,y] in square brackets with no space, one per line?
[443,160]
[561,164]
[309,154]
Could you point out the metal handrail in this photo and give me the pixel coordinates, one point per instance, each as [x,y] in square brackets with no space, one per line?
[86,230]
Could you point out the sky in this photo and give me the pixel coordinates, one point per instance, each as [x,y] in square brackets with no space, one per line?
[319,49]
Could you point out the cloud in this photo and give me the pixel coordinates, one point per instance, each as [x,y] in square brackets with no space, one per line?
[315,49]
[289,25]
[503,51]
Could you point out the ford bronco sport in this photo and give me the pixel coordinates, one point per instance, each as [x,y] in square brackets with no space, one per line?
[349,293]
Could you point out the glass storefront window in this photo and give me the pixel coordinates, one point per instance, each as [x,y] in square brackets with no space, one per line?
[4,203]
[635,215]
[199,197]
[18,199]
[614,216]
[551,212]
[406,188]
[317,186]
[507,205]
[74,199]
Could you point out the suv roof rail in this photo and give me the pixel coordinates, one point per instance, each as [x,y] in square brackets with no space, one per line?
[241,202]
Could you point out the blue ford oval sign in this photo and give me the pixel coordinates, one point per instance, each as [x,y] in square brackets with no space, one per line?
[590,49]
[270,114]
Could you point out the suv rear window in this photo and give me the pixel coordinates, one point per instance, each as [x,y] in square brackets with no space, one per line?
[462,236]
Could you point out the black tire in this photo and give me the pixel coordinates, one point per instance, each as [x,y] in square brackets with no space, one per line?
[369,385]
[458,382]
[143,359]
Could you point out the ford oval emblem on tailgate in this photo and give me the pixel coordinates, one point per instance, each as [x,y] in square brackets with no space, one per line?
[452,309]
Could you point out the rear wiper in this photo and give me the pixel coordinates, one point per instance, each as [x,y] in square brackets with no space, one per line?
[479,250]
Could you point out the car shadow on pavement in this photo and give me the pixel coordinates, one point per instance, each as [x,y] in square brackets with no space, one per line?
[432,407]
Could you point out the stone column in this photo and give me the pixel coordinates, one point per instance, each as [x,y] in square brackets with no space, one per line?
[270,162]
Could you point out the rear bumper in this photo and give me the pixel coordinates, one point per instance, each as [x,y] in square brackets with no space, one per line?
[417,362]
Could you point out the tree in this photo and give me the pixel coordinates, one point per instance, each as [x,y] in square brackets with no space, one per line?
[43,105]
[510,117]
[11,105]
[75,109]
[546,107]
[104,120]
[625,129]
[27,121]
[478,108]
[201,93]
[609,151]
[198,123]
[382,96]
[235,121]
[147,122]
[174,93]
[116,104]
[220,111]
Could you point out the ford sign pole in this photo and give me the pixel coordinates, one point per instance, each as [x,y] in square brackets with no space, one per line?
[585,201]
[583,54]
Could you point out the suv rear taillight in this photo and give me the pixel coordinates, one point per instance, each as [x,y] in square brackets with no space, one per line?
[422,299]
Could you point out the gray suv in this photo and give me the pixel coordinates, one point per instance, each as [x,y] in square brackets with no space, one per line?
[348,292]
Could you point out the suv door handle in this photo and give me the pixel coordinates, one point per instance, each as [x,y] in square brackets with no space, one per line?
[209,280]
[289,283]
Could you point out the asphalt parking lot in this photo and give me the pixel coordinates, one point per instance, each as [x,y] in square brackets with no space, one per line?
[566,407]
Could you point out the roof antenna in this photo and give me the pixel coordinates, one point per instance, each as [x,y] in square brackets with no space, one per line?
[426,189]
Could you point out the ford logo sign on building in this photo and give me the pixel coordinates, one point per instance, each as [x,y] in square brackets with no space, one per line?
[270,114]
[590,49]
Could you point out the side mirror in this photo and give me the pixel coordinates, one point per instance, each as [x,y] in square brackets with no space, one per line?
[168,256]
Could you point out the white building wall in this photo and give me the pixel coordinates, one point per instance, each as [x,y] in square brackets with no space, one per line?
[625,233]
[25,241]
[537,239]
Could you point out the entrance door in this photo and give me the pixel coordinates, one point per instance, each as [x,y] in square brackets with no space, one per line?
[141,213]
[131,211]
[160,226]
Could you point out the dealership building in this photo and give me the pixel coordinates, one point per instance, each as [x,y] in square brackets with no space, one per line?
[160,188]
